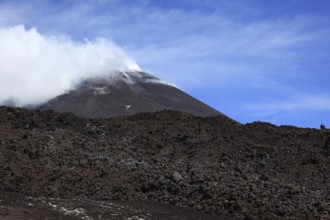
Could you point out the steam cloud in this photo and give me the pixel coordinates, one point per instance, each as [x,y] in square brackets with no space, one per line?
[35,67]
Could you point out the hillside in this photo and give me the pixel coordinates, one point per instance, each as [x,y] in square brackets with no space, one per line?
[210,165]
[124,94]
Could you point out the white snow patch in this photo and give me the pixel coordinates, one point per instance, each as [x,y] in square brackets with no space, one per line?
[135,218]
[79,212]
[101,91]
[52,205]
[159,81]
[127,78]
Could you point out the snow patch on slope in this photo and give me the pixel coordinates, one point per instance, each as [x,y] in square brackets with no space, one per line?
[101,91]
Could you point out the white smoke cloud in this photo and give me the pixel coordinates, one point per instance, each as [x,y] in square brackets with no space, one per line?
[36,67]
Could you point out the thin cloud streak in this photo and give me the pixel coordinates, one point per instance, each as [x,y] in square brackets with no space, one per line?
[304,102]
[291,111]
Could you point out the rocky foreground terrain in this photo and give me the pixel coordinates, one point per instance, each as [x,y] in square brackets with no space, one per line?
[68,167]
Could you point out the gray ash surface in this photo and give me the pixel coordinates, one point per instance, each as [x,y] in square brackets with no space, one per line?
[209,165]
[123,94]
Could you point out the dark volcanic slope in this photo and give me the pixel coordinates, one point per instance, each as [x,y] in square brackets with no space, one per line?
[212,165]
[124,94]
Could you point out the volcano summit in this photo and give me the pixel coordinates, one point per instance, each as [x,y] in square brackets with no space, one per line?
[126,93]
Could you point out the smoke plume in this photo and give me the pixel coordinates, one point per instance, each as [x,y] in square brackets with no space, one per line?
[35,67]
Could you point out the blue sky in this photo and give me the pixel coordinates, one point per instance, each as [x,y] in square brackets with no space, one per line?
[253,60]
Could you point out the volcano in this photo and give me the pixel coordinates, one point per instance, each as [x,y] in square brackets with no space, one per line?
[126,93]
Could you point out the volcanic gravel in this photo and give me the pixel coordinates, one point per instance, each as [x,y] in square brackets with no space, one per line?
[212,165]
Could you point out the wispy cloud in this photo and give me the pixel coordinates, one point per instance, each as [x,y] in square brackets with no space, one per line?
[227,49]
[318,102]
[35,67]
[190,41]
[298,110]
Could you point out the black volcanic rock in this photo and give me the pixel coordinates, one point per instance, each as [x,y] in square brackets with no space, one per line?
[126,93]
[205,164]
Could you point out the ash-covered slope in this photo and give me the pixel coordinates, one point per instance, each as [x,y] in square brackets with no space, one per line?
[126,93]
